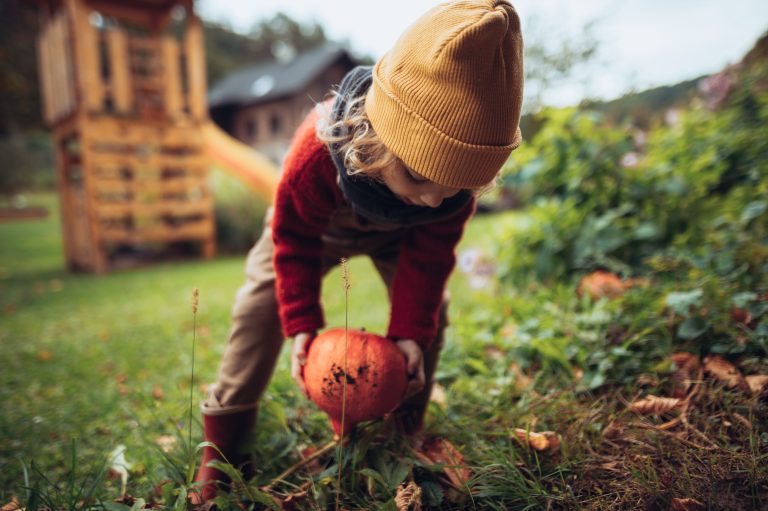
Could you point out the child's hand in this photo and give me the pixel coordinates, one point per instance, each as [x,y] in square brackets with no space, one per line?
[299,359]
[414,359]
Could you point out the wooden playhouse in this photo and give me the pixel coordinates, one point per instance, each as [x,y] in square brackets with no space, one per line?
[124,91]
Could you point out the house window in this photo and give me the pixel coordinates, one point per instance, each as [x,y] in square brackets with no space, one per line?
[276,124]
[251,129]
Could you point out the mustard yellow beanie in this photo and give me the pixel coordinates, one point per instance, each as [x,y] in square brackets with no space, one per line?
[446,99]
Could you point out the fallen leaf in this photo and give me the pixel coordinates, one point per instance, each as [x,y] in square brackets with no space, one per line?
[13,505]
[686,364]
[654,404]
[647,380]
[757,383]
[739,417]
[521,379]
[601,284]
[292,501]
[10,309]
[44,355]
[438,395]
[544,441]
[612,466]
[440,451]
[724,371]
[157,392]
[166,442]
[56,285]
[614,430]
[494,353]
[687,505]
[408,497]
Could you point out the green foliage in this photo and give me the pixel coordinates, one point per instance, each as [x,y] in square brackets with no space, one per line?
[28,164]
[682,206]
[239,213]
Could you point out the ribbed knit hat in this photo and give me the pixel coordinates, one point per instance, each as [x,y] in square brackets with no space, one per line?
[446,99]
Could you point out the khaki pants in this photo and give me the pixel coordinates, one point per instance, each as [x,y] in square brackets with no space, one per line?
[256,338]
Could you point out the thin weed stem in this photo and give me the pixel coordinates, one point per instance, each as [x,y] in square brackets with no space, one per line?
[195,302]
[345,283]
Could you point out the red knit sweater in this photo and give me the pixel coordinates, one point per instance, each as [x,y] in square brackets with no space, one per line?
[307,196]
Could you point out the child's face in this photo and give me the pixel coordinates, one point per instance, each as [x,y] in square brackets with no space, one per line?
[414,189]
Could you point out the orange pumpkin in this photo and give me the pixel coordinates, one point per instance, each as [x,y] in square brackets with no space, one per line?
[376,376]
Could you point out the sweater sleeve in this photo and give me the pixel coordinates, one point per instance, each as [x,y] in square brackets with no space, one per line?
[306,197]
[426,260]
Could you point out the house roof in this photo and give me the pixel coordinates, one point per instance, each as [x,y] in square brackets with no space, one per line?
[273,80]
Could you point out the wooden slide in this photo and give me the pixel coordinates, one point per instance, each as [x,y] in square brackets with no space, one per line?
[256,170]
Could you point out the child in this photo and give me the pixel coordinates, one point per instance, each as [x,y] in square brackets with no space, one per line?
[390,171]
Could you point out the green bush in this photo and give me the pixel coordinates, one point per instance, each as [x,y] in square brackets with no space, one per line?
[28,163]
[684,206]
[239,213]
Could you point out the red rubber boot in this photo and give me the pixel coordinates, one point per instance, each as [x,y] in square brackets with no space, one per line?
[226,432]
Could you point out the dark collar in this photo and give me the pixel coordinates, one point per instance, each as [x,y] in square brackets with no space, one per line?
[372,199]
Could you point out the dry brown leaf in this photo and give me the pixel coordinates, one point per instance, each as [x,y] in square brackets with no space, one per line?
[724,371]
[686,365]
[614,430]
[438,450]
[612,466]
[739,417]
[757,383]
[166,442]
[408,497]
[687,505]
[544,441]
[157,392]
[13,505]
[494,352]
[654,404]
[521,379]
[601,284]
[44,355]
[293,500]
[647,380]
[438,395]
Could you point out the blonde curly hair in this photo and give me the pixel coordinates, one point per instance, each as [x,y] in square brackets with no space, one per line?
[361,150]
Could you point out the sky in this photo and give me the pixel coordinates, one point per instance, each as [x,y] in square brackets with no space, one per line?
[641,43]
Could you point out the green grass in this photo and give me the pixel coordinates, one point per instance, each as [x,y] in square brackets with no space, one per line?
[84,354]
[93,362]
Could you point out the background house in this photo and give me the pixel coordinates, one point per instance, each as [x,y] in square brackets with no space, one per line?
[264,104]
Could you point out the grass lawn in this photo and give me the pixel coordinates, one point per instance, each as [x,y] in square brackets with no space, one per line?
[91,363]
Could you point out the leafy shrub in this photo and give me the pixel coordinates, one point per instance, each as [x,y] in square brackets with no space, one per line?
[683,206]
[239,213]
